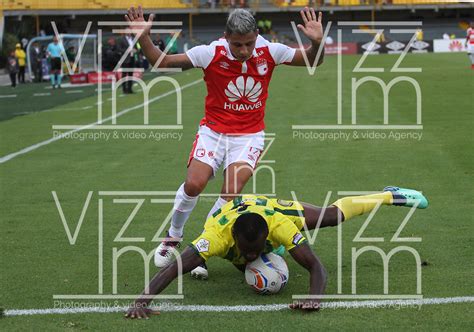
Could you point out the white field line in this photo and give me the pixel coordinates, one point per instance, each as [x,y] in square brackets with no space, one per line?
[245,308]
[44,94]
[7,96]
[75,91]
[59,110]
[56,138]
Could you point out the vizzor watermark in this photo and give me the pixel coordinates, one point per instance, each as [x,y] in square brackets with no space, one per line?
[357,129]
[119,77]
[123,244]
[360,245]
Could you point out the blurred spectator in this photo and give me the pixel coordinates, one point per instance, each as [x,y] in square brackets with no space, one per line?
[111,55]
[36,57]
[21,56]
[264,26]
[71,57]
[126,42]
[212,3]
[445,36]
[381,38]
[24,43]
[173,48]
[159,42]
[274,37]
[12,68]
[419,34]
[268,26]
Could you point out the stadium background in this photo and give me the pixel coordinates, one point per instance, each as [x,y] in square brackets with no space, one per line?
[202,21]
[37,260]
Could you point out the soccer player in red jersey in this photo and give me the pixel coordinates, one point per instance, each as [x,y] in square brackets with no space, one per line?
[237,71]
[470,43]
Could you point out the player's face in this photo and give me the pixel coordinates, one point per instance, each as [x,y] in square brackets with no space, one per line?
[251,250]
[242,46]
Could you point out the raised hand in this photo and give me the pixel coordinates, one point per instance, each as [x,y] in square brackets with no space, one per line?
[313,25]
[137,20]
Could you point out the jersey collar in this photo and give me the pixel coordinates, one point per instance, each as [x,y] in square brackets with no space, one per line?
[229,53]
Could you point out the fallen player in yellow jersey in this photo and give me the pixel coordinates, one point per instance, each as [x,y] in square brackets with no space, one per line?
[250,225]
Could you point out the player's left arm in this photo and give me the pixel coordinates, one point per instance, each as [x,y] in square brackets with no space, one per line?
[317,282]
[313,29]
[189,260]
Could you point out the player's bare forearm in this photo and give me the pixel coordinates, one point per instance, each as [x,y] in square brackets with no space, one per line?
[312,53]
[317,278]
[162,279]
[137,21]
[151,52]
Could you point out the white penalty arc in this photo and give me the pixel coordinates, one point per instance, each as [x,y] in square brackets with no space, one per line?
[246,308]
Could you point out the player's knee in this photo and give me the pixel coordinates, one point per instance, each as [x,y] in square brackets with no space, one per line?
[193,187]
[229,192]
[332,215]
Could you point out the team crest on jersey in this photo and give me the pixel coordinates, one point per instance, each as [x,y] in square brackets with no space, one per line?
[262,66]
[224,65]
[202,245]
[200,153]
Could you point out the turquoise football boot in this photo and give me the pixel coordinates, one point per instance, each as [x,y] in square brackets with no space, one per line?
[407,197]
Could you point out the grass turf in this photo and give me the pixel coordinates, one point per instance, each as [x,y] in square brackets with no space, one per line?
[38,261]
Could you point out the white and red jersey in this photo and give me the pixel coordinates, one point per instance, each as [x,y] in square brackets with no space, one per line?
[237,91]
[470,36]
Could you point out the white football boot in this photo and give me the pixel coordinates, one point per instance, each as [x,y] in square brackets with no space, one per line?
[200,272]
[164,252]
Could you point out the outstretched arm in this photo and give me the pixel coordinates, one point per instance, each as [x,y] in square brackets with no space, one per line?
[161,280]
[137,22]
[313,29]
[317,276]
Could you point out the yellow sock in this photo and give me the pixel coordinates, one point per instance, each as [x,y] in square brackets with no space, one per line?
[353,206]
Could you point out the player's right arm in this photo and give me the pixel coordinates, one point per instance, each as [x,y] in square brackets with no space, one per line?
[190,259]
[152,53]
[304,256]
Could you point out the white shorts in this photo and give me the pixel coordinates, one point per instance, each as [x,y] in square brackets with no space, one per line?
[215,149]
[470,48]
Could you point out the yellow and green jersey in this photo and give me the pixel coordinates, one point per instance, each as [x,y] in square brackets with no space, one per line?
[285,220]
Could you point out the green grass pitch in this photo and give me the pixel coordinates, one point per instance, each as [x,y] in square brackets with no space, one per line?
[37,260]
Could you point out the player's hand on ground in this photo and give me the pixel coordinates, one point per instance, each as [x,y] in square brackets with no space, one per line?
[135,312]
[137,21]
[306,305]
[313,24]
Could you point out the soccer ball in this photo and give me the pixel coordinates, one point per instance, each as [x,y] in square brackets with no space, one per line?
[268,274]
